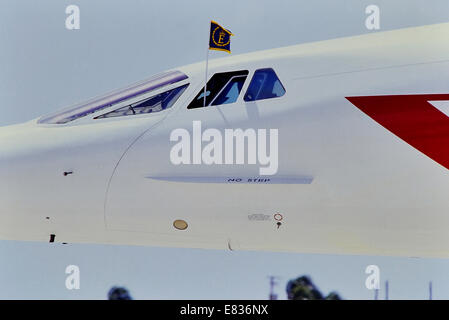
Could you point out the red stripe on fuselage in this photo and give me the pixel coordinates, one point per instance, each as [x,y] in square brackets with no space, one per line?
[413,119]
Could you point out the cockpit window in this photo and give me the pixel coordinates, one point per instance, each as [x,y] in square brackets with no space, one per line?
[154,104]
[222,88]
[230,92]
[264,85]
[102,102]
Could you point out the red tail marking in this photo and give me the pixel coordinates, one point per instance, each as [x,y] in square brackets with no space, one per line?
[413,119]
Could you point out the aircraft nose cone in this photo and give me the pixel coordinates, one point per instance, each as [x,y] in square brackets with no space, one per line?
[20,181]
[16,145]
[11,196]
[14,142]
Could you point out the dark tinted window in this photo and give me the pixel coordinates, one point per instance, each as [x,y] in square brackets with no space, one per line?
[154,104]
[222,88]
[230,92]
[264,85]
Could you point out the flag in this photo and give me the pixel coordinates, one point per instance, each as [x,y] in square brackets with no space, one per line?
[220,38]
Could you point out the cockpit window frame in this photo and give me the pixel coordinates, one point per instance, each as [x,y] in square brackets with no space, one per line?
[103,102]
[246,97]
[198,104]
[134,103]
[225,86]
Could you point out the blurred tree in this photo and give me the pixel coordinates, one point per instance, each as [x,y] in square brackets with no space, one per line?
[119,293]
[303,288]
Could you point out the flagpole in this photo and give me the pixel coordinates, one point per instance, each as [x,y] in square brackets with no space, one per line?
[205,82]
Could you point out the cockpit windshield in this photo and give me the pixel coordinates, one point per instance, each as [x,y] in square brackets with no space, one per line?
[102,102]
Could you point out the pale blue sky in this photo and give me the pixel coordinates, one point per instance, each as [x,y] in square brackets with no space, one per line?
[44,66]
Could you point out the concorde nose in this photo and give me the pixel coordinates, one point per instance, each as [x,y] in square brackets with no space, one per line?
[18,165]
[11,141]
[25,193]
[16,145]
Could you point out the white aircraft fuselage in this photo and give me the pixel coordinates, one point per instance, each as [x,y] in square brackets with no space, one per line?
[362,160]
